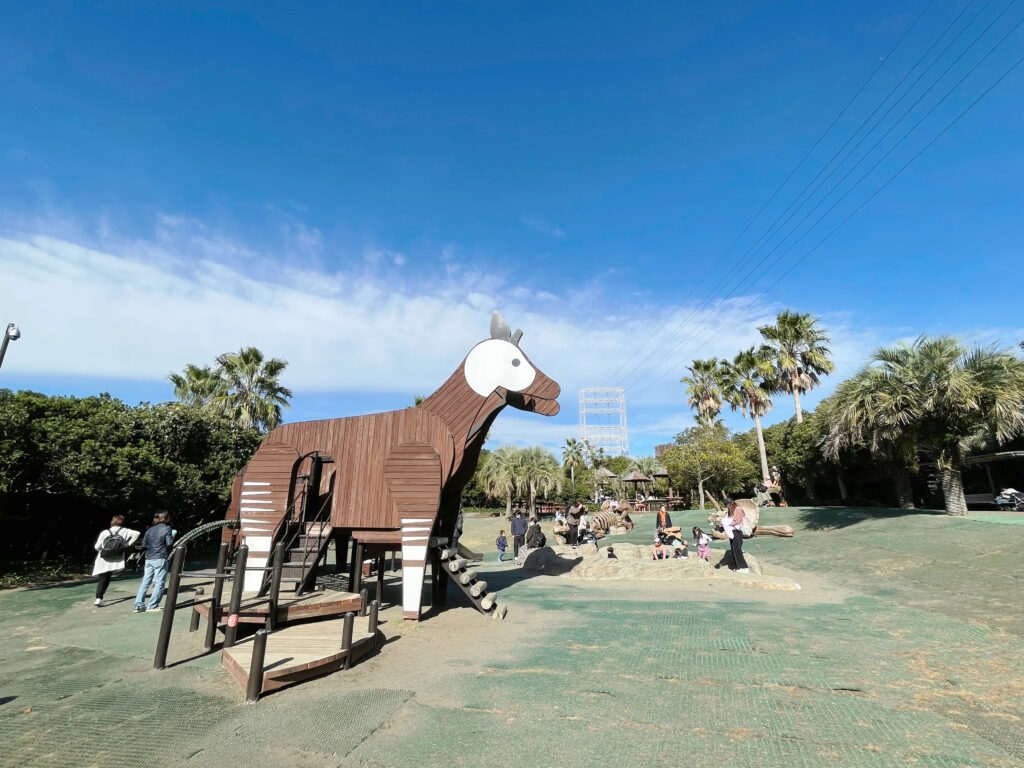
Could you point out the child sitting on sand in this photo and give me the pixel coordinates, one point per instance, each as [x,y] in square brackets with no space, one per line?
[502,544]
[703,544]
[681,552]
[611,554]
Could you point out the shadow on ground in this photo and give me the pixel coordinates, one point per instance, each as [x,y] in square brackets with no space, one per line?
[834,518]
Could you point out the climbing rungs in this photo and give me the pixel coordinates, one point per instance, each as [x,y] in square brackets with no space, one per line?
[488,602]
[466,576]
[478,589]
[457,565]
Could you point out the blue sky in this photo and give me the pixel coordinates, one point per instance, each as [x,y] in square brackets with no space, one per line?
[355,187]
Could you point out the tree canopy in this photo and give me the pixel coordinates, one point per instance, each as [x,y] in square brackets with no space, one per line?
[68,464]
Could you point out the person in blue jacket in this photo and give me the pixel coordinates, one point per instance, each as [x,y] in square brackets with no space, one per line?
[157,542]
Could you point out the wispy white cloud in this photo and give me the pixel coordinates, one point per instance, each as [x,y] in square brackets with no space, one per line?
[539,225]
[92,303]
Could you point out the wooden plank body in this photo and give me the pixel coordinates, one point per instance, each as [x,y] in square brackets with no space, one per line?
[290,608]
[403,470]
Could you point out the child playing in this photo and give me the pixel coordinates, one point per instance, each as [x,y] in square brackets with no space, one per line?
[502,544]
[703,544]
[681,551]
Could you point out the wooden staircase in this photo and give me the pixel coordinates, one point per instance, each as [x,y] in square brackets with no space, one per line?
[474,587]
[304,554]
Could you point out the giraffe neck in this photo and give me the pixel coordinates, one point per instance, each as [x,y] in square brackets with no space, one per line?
[467,414]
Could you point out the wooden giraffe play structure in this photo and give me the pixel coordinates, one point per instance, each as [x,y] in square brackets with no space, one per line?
[386,479]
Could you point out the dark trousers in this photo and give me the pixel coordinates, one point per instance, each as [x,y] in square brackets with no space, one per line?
[102,584]
[517,542]
[736,547]
[574,535]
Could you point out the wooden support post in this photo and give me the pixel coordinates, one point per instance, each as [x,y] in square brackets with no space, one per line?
[194,625]
[259,652]
[371,625]
[357,568]
[364,596]
[231,630]
[275,586]
[380,579]
[170,603]
[346,637]
[218,590]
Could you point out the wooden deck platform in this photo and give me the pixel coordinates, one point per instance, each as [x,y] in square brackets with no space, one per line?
[298,653]
[327,602]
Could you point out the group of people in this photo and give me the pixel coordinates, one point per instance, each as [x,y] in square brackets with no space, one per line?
[670,545]
[523,536]
[117,543]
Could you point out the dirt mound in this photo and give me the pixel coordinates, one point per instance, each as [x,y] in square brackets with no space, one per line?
[634,563]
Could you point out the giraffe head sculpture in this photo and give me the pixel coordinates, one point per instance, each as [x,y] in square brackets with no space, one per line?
[500,365]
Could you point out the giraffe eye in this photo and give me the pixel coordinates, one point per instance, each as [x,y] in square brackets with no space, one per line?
[515,362]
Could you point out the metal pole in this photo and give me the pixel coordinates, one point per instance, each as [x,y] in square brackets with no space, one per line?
[259,652]
[364,595]
[231,630]
[275,586]
[194,625]
[12,333]
[371,625]
[218,590]
[346,638]
[170,603]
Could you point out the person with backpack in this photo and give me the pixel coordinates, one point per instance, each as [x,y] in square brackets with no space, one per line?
[112,546]
[157,542]
[502,543]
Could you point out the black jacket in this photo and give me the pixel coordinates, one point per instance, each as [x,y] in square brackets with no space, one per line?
[518,526]
[533,537]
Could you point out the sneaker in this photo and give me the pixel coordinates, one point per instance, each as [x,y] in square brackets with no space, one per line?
[137,609]
[157,609]
[98,602]
[743,570]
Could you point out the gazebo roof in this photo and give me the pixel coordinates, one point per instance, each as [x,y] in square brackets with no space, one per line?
[661,472]
[604,472]
[636,477]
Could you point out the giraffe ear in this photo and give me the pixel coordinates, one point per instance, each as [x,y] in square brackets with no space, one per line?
[499,327]
[516,337]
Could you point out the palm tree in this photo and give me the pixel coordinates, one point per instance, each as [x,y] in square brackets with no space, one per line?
[572,458]
[537,471]
[747,386]
[252,396]
[798,349]
[704,388]
[498,471]
[930,398]
[198,386]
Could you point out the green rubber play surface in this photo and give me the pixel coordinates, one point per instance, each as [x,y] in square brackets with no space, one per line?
[903,648]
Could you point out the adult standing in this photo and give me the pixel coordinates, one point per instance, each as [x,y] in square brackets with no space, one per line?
[110,557]
[732,524]
[518,533]
[572,519]
[157,541]
[663,520]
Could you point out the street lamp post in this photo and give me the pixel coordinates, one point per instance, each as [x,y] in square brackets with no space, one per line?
[13,333]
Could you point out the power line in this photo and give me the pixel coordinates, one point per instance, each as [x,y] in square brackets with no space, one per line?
[783,218]
[681,344]
[785,181]
[895,175]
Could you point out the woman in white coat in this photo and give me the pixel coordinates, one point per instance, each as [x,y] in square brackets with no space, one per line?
[107,565]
